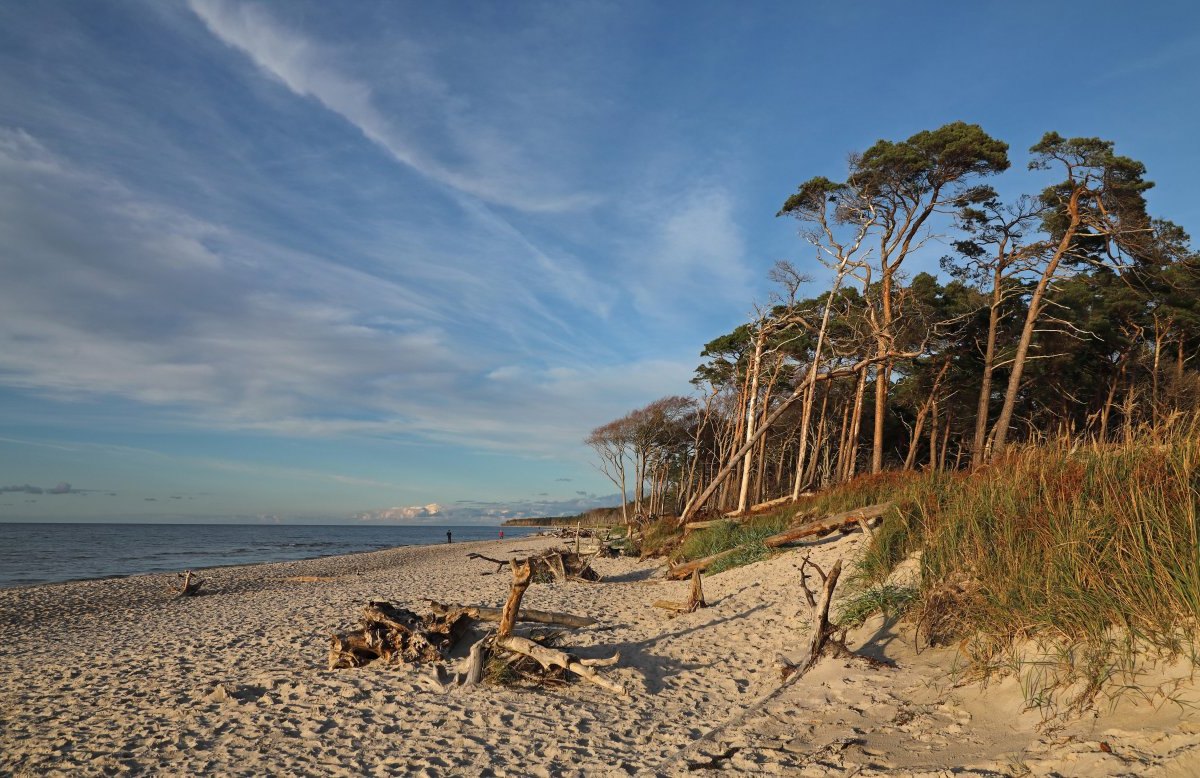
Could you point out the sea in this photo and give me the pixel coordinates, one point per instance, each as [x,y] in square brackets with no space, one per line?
[49,553]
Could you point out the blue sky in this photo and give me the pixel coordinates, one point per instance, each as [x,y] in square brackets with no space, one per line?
[316,260]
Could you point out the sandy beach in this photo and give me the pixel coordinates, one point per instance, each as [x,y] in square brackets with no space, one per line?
[116,676]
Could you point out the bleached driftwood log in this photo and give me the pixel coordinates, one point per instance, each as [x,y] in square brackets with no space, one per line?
[760,507]
[529,615]
[679,572]
[550,658]
[828,524]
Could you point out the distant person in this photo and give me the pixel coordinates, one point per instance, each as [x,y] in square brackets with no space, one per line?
[449,537]
[502,534]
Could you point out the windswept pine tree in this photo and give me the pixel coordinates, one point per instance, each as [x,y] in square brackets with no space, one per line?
[1072,311]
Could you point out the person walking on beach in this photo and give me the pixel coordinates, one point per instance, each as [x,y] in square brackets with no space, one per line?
[449,538]
[502,534]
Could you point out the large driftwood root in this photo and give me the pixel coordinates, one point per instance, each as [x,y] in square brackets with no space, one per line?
[397,635]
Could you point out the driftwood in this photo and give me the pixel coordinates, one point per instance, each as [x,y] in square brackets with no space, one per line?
[562,565]
[760,507]
[190,586]
[500,563]
[695,598]
[475,663]
[522,574]
[482,613]
[679,572]
[692,526]
[553,565]
[549,658]
[828,524]
[396,635]
[821,630]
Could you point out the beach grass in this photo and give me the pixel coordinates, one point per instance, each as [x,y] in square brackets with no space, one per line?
[1090,550]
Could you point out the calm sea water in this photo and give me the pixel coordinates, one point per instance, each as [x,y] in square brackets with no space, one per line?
[46,553]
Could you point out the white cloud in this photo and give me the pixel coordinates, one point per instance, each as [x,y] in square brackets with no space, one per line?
[694,250]
[107,294]
[496,169]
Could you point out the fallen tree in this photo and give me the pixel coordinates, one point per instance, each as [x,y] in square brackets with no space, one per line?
[828,524]
[679,572]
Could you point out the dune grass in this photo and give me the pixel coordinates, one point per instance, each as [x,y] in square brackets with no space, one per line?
[1093,550]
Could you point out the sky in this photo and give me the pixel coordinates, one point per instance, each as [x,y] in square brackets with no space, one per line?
[385,261]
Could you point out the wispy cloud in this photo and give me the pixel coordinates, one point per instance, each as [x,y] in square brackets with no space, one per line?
[221,328]
[496,169]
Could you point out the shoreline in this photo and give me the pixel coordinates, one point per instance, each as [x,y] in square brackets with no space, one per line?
[117,675]
[174,570]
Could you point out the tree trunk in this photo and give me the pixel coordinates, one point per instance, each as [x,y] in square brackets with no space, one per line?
[751,408]
[1031,316]
[984,403]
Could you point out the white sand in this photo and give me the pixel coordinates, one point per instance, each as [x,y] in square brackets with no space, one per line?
[114,676]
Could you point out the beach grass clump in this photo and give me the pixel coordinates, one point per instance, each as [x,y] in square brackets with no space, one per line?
[1057,543]
[891,600]
[747,537]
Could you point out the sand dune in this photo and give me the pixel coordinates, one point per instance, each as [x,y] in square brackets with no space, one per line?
[106,677]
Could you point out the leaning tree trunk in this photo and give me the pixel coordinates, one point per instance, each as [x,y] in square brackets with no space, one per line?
[1031,316]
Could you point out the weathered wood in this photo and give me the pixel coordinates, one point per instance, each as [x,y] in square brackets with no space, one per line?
[819,615]
[562,565]
[679,572]
[397,634]
[500,563]
[476,662]
[522,573]
[481,613]
[550,658]
[828,524]
[191,586]
[760,507]
[557,567]
[691,526]
[696,596]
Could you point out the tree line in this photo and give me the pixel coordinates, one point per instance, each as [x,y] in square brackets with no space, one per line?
[1068,312]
